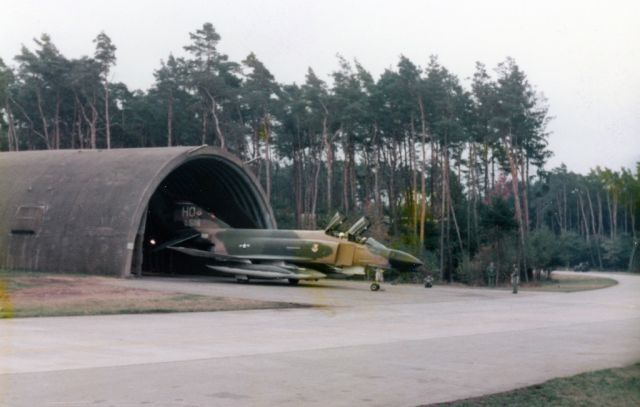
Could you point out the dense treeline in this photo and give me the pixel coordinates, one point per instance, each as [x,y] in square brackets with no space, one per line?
[453,173]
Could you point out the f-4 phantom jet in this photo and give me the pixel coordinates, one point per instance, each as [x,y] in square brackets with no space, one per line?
[292,255]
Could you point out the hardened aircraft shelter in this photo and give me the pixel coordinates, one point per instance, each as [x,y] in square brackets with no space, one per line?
[95,211]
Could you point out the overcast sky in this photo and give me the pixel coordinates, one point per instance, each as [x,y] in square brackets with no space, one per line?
[583,55]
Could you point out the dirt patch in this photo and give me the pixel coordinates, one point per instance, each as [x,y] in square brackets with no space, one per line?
[33,294]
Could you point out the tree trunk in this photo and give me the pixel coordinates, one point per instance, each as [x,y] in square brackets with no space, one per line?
[447,238]
[91,122]
[79,126]
[414,184]
[107,118]
[328,146]
[30,145]
[586,226]
[352,175]
[584,218]
[205,125]
[485,158]
[314,201]
[633,224]
[77,118]
[72,135]
[423,180]
[329,152]
[267,152]
[9,139]
[216,122]
[443,212]
[600,215]
[170,120]
[610,210]
[614,215]
[393,187]
[472,202]
[93,126]
[307,195]
[433,171]
[43,118]
[390,159]
[376,172]
[625,219]
[297,188]
[564,207]
[14,145]
[493,171]
[558,214]
[345,182]
[591,214]
[525,197]
[122,121]
[453,214]
[516,197]
[594,229]
[56,124]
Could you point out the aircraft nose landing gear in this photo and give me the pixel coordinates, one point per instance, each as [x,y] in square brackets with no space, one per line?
[378,279]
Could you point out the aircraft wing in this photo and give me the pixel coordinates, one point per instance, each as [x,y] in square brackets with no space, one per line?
[180,239]
[206,254]
[267,271]
[235,266]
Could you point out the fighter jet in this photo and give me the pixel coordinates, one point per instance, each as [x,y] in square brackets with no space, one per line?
[292,255]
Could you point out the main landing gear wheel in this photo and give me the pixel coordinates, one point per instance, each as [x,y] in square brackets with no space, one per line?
[293,281]
[374,287]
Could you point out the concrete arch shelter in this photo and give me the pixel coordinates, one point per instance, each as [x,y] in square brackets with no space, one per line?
[88,211]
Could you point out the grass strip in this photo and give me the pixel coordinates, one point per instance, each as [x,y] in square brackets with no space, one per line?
[603,388]
[569,283]
[28,294]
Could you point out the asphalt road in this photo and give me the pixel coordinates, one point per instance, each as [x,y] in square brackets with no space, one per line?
[404,346]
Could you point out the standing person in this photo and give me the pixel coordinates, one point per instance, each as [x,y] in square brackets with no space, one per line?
[491,275]
[428,281]
[515,278]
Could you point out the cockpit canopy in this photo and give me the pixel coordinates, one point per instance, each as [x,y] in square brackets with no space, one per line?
[357,229]
[335,222]
[376,247]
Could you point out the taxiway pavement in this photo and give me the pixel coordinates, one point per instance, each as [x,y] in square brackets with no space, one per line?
[404,346]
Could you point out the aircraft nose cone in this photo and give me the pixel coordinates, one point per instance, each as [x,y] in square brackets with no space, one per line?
[401,258]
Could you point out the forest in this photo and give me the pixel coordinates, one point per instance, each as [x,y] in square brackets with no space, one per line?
[454,173]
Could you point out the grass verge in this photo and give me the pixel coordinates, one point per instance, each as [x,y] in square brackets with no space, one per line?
[28,294]
[565,283]
[604,388]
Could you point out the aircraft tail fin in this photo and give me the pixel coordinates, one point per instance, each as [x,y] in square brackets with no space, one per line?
[192,216]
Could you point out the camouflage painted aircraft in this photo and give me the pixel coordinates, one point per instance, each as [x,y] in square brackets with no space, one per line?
[293,255]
